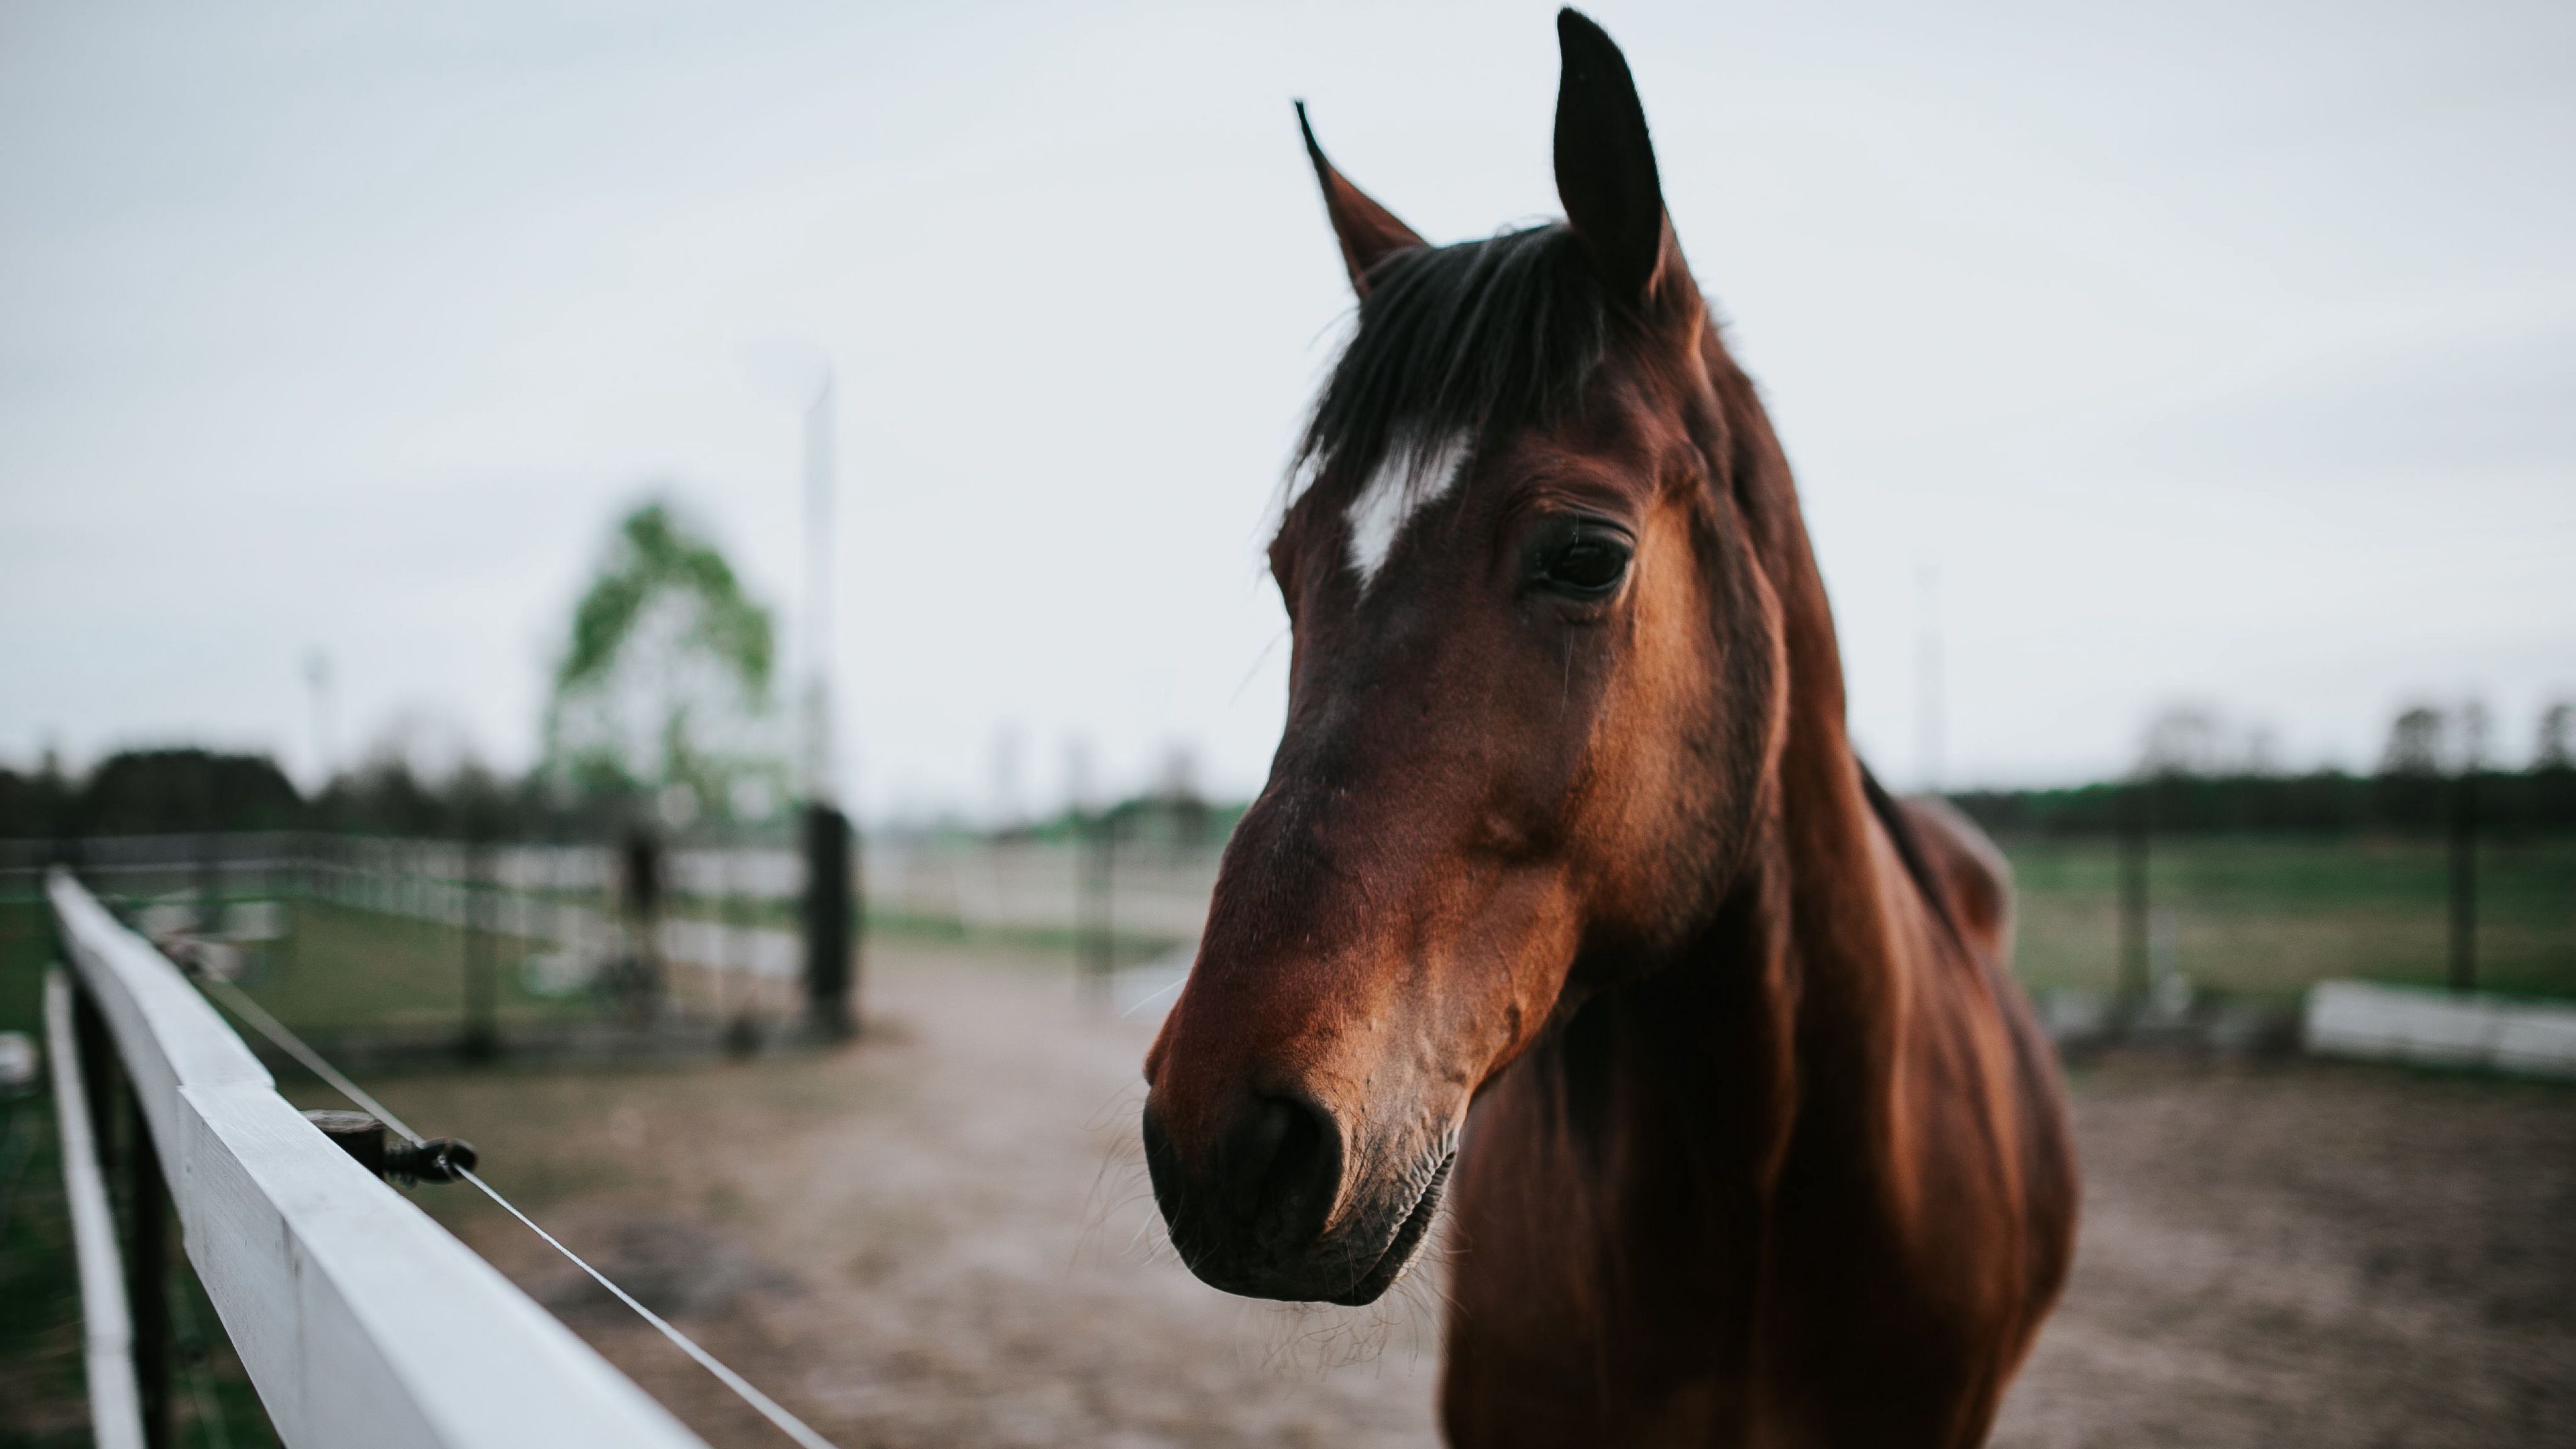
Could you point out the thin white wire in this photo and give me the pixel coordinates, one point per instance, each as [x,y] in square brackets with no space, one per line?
[293,1045]
[793,1427]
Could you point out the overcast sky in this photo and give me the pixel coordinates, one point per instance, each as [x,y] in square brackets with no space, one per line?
[2213,352]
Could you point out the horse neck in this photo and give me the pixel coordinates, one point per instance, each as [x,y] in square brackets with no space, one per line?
[1834,883]
[1826,840]
[1800,985]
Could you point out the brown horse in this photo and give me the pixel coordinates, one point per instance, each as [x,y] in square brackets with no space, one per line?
[1568,891]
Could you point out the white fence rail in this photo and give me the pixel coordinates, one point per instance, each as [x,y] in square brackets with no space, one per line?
[359,1320]
[2440,1028]
[107,1325]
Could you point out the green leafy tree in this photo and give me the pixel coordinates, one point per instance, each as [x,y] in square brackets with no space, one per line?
[665,685]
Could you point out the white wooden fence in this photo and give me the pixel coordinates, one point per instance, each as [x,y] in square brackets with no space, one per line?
[107,1325]
[533,890]
[980,884]
[2440,1028]
[360,1321]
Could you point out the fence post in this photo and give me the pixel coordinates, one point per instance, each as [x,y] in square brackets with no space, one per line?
[829,904]
[854,920]
[2464,881]
[147,1284]
[98,1073]
[1097,835]
[737,977]
[644,860]
[294,884]
[210,910]
[482,969]
[2135,967]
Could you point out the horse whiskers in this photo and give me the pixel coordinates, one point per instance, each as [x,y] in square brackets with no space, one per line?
[1315,1338]
[1118,1185]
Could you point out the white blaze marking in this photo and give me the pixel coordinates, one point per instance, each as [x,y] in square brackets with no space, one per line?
[1396,492]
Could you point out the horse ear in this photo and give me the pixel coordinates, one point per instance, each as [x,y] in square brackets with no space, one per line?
[1605,169]
[1369,232]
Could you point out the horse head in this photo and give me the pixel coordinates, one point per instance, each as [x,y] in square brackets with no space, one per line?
[1535,689]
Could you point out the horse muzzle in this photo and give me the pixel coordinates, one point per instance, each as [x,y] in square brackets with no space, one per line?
[1279,1205]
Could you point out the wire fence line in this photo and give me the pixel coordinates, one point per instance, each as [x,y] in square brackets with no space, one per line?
[358,1318]
[223,902]
[287,1041]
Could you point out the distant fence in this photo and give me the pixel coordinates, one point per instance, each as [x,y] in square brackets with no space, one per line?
[2259,885]
[2441,1029]
[357,1318]
[2154,898]
[528,948]
[532,929]
[979,884]
[2265,915]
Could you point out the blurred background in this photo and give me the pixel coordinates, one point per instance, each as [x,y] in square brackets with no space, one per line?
[585,555]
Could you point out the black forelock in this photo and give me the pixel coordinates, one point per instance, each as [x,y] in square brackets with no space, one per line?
[1478,339]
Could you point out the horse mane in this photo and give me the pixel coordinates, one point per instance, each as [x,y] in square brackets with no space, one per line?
[1909,849]
[1478,339]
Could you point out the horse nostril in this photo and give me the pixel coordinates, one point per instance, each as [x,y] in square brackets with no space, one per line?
[1284,1162]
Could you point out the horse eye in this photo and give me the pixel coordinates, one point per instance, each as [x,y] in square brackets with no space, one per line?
[1586,562]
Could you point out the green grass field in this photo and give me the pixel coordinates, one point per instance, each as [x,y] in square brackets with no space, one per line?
[342,968]
[2266,917]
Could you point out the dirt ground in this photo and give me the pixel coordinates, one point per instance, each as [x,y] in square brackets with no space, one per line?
[943,1237]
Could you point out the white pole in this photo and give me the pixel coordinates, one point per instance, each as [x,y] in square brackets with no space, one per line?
[818,772]
[317,673]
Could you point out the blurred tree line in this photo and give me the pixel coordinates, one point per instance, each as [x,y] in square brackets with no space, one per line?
[191,791]
[188,791]
[2326,802]
[2196,774]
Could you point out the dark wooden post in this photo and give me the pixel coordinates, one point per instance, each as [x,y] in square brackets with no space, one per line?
[482,966]
[855,918]
[294,884]
[560,885]
[1098,840]
[642,865]
[830,906]
[357,1134]
[738,980]
[147,1289]
[2135,824]
[98,1072]
[2464,882]
[210,909]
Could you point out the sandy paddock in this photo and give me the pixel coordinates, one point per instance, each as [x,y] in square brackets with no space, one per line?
[943,1237]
